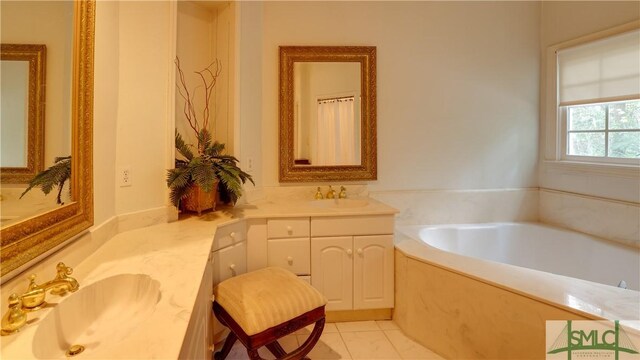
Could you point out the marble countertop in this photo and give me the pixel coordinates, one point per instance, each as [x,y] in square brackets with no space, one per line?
[302,207]
[175,254]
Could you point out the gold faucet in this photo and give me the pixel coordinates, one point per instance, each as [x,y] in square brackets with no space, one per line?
[343,193]
[34,297]
[318,195]
[62,283]
[331,194]
[15,318]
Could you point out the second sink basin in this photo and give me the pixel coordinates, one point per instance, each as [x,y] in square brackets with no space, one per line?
[340,203]
[100,314]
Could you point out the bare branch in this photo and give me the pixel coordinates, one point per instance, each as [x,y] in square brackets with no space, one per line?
[208,87]
[209,77]
[189,111]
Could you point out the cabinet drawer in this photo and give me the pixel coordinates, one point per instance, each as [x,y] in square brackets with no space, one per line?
[291,254]
[287,228]
[229,235]
[229,262]
[352,225]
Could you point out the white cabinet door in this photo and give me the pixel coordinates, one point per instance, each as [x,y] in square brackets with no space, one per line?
[197,342]
[332,270]
[373,272]
[229,262]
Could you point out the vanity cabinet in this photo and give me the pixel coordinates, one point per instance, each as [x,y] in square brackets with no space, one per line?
[288,245]
[198,342]
[352,261]
[228,259]
[229,251]
[349,258]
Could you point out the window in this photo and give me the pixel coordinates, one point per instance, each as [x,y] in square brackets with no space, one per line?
[599,99]
[606,130]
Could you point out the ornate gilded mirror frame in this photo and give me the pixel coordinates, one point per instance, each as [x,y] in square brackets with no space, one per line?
[366,56]
[36,56]
[24,241]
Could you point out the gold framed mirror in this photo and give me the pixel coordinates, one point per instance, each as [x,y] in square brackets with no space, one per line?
[22,120]
[327,113]
[38,234]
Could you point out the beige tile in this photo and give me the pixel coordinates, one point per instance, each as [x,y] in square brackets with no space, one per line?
[408,348]
[357,326]
[387,325]
[369,345]
[330,346]
[239,352]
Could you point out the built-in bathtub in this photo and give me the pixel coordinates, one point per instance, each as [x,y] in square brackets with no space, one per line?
[486,290]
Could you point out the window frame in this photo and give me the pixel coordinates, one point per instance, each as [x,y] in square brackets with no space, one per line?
[553,126]
[564,137]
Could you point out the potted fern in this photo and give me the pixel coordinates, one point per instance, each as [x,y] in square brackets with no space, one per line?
[203,172]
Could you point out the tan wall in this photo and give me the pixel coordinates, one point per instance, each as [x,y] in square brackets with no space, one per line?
[462,318]
[457,86]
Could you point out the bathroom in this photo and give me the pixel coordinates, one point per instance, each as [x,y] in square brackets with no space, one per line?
[463,130]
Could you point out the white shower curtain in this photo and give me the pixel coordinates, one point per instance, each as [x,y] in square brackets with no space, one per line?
[335,143]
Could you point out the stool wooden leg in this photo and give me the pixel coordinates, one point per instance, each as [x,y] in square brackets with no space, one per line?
[226,348]
[305,348]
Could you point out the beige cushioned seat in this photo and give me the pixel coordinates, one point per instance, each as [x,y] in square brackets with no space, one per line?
[265,298]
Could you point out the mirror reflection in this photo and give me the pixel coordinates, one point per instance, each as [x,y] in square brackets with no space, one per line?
[14,112]
[327,113]
[37,52]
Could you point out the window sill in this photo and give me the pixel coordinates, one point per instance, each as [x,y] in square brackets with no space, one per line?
[587,168]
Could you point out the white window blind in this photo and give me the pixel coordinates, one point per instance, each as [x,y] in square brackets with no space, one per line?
[600,71]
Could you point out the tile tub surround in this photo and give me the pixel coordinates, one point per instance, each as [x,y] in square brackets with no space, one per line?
[506,318]
[461,206]
[610,219]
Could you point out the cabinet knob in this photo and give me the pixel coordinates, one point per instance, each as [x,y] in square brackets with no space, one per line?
[232,267]
[290,259]
[359,251]
[289,229]
[232,235]
[349,251]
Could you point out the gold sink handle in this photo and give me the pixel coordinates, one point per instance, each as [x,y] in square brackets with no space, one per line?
[63,283]
[15,318]
[34,297]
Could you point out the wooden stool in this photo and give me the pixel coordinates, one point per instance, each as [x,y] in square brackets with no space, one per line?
[262,306]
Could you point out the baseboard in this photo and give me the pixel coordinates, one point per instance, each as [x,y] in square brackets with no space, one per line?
[359,315]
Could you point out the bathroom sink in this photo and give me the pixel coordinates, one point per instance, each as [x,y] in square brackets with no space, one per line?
[96,316]
[340,203]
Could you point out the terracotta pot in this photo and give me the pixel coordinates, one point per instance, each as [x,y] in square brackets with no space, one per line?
[198,200]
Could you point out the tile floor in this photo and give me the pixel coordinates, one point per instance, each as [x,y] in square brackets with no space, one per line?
[365,340]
